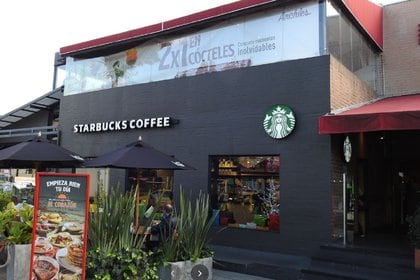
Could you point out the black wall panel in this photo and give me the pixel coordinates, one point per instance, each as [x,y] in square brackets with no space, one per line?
[222,114]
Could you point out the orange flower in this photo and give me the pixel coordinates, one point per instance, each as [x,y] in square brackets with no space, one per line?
[131,56]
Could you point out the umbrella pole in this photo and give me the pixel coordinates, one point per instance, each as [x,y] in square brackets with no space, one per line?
[136,214]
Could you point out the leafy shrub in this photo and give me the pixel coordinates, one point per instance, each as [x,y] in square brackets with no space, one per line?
[5,198]
[110,223]
[128,264]
[190,238]
[16,224]
[114,251]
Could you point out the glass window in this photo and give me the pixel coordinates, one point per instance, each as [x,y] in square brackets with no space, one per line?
[351,48]
[246,190]
[290,31]
[156,183]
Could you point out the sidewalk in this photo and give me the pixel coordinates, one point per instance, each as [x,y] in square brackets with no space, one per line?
[228,275]
[252,263]
[217,275]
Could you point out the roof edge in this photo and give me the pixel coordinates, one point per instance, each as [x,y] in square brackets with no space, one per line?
[370,18]
[163,26]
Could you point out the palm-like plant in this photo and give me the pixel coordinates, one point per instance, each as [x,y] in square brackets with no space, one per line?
[190,238]
[110,224]
[115,251]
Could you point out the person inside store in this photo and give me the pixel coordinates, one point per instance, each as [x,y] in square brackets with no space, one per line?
[151,205]
[162,230]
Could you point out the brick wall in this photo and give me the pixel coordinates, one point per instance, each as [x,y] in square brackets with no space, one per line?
[346,88]
[401,48]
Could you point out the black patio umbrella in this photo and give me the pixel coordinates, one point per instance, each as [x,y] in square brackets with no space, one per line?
[137,155]
[38,153]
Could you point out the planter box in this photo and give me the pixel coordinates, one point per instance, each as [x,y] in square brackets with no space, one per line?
[201,269]
[20,257]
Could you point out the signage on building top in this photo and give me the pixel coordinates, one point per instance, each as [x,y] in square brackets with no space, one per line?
[279,121]
[279,34]
[142,123]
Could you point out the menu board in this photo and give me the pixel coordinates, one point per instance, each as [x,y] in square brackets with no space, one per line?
[60,226]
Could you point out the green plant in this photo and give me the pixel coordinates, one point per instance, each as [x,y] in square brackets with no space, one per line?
[414,228]
[114,251]
[130,263]
[190,239]
[170,249]
[110,224]
[5,198]
[16,224]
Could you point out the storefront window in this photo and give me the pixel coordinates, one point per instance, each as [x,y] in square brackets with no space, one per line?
[246,190]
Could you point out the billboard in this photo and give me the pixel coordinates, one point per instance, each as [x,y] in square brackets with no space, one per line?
[280,34]
[60,226]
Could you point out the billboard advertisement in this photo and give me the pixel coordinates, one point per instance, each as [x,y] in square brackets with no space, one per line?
[280,34]
[60,226]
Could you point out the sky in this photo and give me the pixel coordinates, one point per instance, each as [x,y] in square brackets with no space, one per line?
[33,31]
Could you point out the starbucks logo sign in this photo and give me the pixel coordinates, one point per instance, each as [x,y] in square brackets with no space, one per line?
[279,121]
[347,149]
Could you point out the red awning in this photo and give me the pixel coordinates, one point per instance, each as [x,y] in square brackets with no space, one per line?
[392,113]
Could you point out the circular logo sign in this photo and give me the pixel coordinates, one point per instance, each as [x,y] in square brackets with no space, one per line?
[279,121]
[347,149]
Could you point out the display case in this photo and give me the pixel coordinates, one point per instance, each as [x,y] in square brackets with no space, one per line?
[243,188]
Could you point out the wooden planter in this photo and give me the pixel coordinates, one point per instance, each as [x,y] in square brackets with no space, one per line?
[185,270]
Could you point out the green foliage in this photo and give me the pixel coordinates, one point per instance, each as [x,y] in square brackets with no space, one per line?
[110,224]
[171,250]
[16,224]
[190,241]
[414,228]
[114,251]
[128,264]
[194,225]
[5,198]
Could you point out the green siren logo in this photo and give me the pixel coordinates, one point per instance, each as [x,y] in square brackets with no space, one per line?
[279,121]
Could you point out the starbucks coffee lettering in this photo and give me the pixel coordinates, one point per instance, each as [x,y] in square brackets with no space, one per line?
[155,122]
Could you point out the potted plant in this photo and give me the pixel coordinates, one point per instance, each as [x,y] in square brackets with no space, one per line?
[188,245]
[414,235]
[5,198]
[114,251]
[16,234]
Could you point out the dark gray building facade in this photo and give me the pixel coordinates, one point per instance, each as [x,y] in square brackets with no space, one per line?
[222,114]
